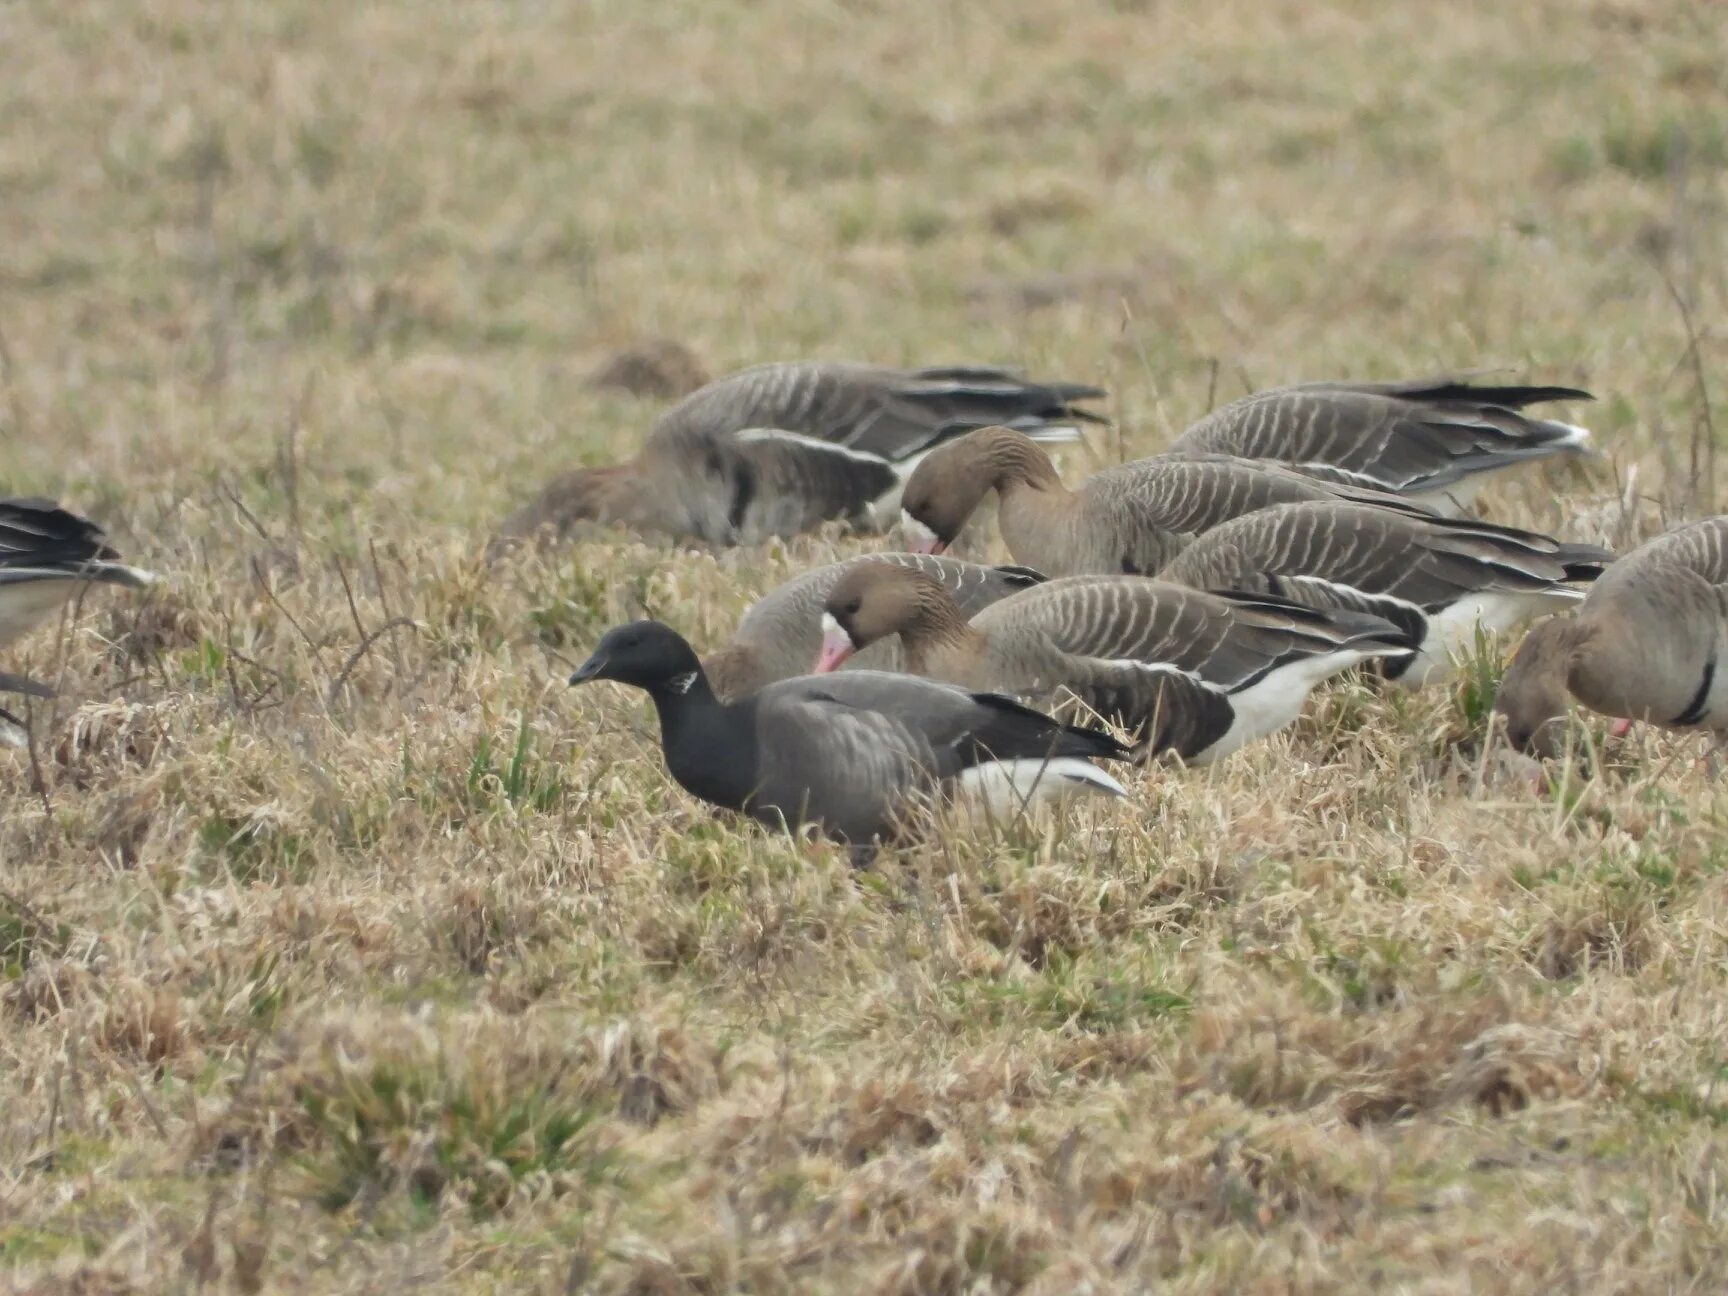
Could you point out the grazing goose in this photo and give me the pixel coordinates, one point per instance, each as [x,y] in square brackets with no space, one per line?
[46,556]
[781,448]
[1650,642]
[779,636]
[1187,671]
[1438,578]
[1429,438]
[851,754]
[1134,517]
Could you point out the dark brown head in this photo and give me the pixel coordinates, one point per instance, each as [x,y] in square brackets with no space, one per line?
[875,600]
[952,481]
[1534,695]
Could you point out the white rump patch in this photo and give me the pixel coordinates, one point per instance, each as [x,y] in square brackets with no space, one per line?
[1007,787]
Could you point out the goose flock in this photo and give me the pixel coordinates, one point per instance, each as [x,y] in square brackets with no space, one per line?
[1179,606]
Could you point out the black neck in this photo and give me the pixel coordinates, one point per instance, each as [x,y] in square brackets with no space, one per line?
[710,747]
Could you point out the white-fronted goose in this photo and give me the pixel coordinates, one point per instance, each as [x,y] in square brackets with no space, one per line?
[1184,670]
[46,555]
[781,448]
[1429,438]
[851,754]
[1132,518]
[1437,578]
[780,635]
[1650,642]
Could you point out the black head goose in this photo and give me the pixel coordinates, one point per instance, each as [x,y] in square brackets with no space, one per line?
[1428,438]
[851,754]
[1134,517]
[1650,643]
[46,556]
[1185,670]
[1438,578]
[781,448]
[780,635]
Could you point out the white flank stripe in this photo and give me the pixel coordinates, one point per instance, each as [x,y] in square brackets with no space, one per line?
[1007,787]
[1055,434]
[756,436]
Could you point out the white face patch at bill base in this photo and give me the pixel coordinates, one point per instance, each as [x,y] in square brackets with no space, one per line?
[837,645]
[920,539]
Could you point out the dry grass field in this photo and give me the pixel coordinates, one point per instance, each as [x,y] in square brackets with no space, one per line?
[344,949]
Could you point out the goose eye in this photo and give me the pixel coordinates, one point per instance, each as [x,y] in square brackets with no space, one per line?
[852,606]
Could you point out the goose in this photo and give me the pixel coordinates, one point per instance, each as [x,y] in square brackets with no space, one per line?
[1438,578]
[849,754]
[1432,439]
[1132,518]
[47,555]
[779,449]
[1649,642]
[1188,671]
[780,635]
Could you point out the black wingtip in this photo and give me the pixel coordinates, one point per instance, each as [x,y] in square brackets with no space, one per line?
[1584,562]
[1511,397]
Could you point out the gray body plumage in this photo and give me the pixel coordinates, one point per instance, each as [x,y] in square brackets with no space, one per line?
[1438,578]
[857,752]
[1193,671]
[779,449]
[1429,438]
[1138,516]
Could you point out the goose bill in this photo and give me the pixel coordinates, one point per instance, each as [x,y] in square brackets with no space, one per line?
[837,646]
[589,669]
[920,539]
